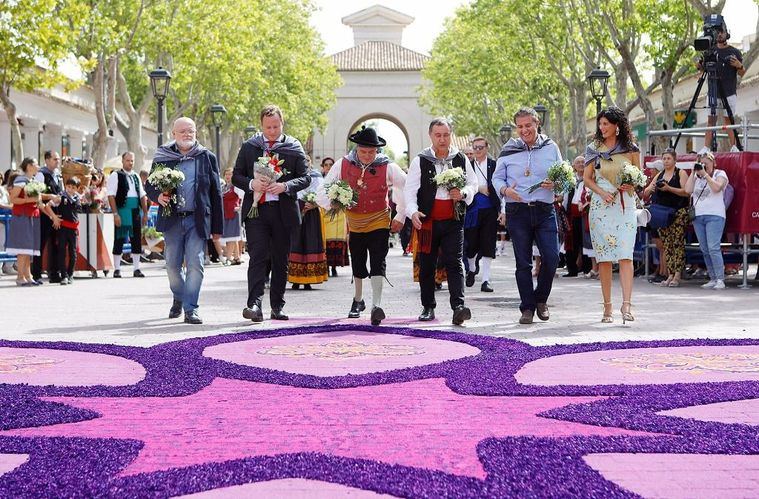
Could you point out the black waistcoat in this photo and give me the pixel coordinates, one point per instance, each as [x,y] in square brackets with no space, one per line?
[425,196]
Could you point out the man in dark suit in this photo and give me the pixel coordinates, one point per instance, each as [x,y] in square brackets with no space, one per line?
[195,215]
[270,208]
[481,222]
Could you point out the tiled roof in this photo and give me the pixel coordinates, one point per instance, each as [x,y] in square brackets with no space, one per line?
[379,56]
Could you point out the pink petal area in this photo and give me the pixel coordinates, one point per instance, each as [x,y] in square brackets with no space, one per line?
[339,353]
[643,366]
[9,462]
[675,476]
[42,367]
[292,488]
[737,412]
[420,423]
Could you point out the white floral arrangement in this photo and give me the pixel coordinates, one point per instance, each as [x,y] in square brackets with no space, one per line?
[452,178]
[561,174]
[342,197]
[268,166]
[310,197]
[166,180]
[34,188]
[632,175]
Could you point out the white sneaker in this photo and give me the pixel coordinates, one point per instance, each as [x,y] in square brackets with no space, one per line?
[734,149]
[719,284]
[709,285]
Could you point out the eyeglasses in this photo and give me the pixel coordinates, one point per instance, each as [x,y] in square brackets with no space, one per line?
[479,148]
[186,132]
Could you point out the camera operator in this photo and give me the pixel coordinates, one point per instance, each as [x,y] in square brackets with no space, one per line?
[729,64]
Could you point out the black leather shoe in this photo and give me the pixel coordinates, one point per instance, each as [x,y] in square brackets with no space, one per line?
[356,308]
[428,314]
[175,310]
[438,286]
[570,274]
[527,317]
[307,287]
[295,286]
[277,315]
[138,273]
[334,272]
[470,279]
[253,313]
[542,311]
[377,315]
[117,274]
[486,287]
[461,314]
[192,317]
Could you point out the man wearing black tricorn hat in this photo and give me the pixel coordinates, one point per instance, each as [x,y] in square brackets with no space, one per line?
[371,174]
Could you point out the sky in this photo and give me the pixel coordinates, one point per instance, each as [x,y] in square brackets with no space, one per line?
[430,15]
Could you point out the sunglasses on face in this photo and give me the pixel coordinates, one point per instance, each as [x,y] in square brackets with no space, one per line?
[479,148]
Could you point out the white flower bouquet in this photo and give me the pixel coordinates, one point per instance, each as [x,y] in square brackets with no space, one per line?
[310,197]
[34,188]
[342,197]
[452,178]
[166,180]
[561,174]
[267,166]
[632,175]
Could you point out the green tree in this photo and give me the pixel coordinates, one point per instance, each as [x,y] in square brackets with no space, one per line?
[34,40]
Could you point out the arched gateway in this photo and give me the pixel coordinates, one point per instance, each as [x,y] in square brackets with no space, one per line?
[380,80]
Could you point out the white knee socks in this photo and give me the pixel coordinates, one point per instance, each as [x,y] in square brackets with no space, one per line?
[377,290]
[485,268]
[358,284]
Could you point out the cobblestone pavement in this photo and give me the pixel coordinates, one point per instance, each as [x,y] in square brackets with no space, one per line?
[102,395]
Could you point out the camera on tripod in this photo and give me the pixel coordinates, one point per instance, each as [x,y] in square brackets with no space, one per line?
[713,24]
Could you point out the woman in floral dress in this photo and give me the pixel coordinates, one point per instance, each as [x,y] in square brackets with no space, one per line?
[612,206]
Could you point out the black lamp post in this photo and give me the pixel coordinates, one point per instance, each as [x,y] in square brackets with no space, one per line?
[542,113]
[598,80]
[159,84]
[217,114]
[505,133]
[250,130]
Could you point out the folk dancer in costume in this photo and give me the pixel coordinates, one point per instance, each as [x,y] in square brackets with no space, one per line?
[335,232]
[127,197]
[308,258]
[269,230]
[433,213]
[481,223]
[371,174]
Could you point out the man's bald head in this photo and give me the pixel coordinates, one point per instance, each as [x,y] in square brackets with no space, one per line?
[579,164]
[184,131]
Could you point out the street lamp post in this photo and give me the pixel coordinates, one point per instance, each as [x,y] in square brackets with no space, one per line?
[542,113]
[159,84]
[250,130]
[217,114]
[598,80]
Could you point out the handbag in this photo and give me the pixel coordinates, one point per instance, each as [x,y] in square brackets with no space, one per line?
[661,216]
[642,215]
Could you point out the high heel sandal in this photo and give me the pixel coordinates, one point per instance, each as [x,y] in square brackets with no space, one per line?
[627,316]
[607,318]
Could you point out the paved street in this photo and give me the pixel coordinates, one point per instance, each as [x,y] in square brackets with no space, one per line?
[101,395]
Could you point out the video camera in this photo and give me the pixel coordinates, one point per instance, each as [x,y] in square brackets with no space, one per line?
[713,24]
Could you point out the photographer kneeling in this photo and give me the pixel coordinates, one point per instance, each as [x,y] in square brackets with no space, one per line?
[706,186]
[670,201]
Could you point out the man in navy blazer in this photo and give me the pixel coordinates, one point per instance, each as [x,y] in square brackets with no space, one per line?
[195,215]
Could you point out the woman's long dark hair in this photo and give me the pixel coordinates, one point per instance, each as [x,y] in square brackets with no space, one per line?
[617,117]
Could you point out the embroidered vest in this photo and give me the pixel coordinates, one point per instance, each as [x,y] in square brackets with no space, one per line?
[372,195]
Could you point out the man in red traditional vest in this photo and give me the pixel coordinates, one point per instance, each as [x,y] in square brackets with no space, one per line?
[371,174]
[435,212]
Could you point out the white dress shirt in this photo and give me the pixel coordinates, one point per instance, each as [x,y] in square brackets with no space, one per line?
[414,181]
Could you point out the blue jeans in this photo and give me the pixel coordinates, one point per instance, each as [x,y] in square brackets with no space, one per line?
[709,229]
[527,224]
[183,244]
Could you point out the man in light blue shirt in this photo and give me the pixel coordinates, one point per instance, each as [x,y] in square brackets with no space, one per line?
[530,216]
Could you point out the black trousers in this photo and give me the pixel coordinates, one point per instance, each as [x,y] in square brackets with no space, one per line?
[48,240]
[135,238]
[268,239]
[66,247]
[372,244]
[406,234]
[481,239]
[448,238]
[576,251]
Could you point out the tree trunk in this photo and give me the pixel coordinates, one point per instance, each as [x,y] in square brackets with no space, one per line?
[100,138]
[235,140]
[133,130]
[10,112]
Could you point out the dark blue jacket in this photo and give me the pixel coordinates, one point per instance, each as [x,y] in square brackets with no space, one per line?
[209,218]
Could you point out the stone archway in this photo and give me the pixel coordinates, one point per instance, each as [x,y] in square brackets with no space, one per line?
[386,117]
[381,79]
